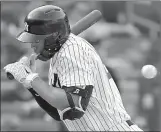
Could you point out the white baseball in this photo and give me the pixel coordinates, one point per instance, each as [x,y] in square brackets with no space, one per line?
[149,71]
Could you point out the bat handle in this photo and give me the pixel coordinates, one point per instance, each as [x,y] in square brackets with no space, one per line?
[10,76]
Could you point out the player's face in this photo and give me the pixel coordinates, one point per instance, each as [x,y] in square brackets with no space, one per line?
[37,47]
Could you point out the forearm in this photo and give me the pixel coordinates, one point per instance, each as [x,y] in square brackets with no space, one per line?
[54,96]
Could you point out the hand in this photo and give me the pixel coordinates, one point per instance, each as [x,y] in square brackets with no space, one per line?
[21,73]
[18,70]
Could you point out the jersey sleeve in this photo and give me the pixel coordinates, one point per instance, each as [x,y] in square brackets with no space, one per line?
[75,66]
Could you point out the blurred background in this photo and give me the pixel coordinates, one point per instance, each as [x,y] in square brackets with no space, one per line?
[127,38]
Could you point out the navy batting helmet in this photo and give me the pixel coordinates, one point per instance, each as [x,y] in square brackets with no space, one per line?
[49,23]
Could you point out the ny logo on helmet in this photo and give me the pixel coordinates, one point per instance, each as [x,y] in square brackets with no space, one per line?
[26,27]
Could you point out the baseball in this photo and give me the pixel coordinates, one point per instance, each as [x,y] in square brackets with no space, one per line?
[149,71]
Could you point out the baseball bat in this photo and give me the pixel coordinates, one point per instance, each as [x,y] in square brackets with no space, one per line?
[86,22]
[79,27]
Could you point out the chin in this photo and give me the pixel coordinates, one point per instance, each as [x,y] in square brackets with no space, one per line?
[42,58]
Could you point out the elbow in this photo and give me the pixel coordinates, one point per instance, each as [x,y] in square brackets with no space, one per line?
[72,114]
[77,113]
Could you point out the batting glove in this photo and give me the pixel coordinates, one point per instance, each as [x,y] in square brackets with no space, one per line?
[21,73]
[29,61]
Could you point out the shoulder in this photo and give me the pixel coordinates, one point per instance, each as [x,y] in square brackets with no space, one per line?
[73,42]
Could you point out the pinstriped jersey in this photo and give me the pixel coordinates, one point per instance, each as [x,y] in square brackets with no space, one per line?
[76,64]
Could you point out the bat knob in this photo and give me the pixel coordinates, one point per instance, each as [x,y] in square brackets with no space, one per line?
[10,76]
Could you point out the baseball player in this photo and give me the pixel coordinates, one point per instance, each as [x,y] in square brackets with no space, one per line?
[81,91]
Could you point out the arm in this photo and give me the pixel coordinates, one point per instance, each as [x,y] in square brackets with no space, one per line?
[71,102]
[54,96]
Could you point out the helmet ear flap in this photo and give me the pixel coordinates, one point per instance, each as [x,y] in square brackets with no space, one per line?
[51,40]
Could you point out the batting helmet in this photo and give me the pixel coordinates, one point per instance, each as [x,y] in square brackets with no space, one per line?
[49,23]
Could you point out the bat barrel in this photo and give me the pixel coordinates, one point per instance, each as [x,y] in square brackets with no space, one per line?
[86,22]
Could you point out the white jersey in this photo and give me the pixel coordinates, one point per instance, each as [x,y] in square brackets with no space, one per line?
[77,63]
